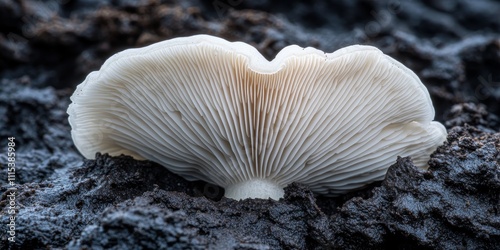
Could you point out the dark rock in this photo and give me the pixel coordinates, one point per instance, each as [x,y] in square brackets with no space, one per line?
[36,166]
[152,228]
[10,14]
[35,116]
[75,196]
[228,224]
[474,115]
[451,205]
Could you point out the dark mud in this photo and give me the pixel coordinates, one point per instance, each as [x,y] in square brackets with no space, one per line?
[64,201]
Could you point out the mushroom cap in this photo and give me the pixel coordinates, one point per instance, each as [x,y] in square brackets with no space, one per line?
[218,111]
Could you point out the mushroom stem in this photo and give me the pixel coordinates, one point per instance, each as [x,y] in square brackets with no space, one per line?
[255,188]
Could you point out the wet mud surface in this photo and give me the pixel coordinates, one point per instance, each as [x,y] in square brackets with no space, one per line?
[65,201]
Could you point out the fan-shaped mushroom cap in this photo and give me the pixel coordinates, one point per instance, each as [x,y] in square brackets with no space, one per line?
[208,109]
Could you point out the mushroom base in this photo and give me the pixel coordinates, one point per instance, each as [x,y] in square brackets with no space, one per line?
[255,188]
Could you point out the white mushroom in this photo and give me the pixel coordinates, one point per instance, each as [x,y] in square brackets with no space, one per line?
[208,109]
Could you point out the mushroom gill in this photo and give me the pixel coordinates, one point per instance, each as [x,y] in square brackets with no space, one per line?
[208,109]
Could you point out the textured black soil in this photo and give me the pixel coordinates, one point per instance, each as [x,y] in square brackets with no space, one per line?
[64,201]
